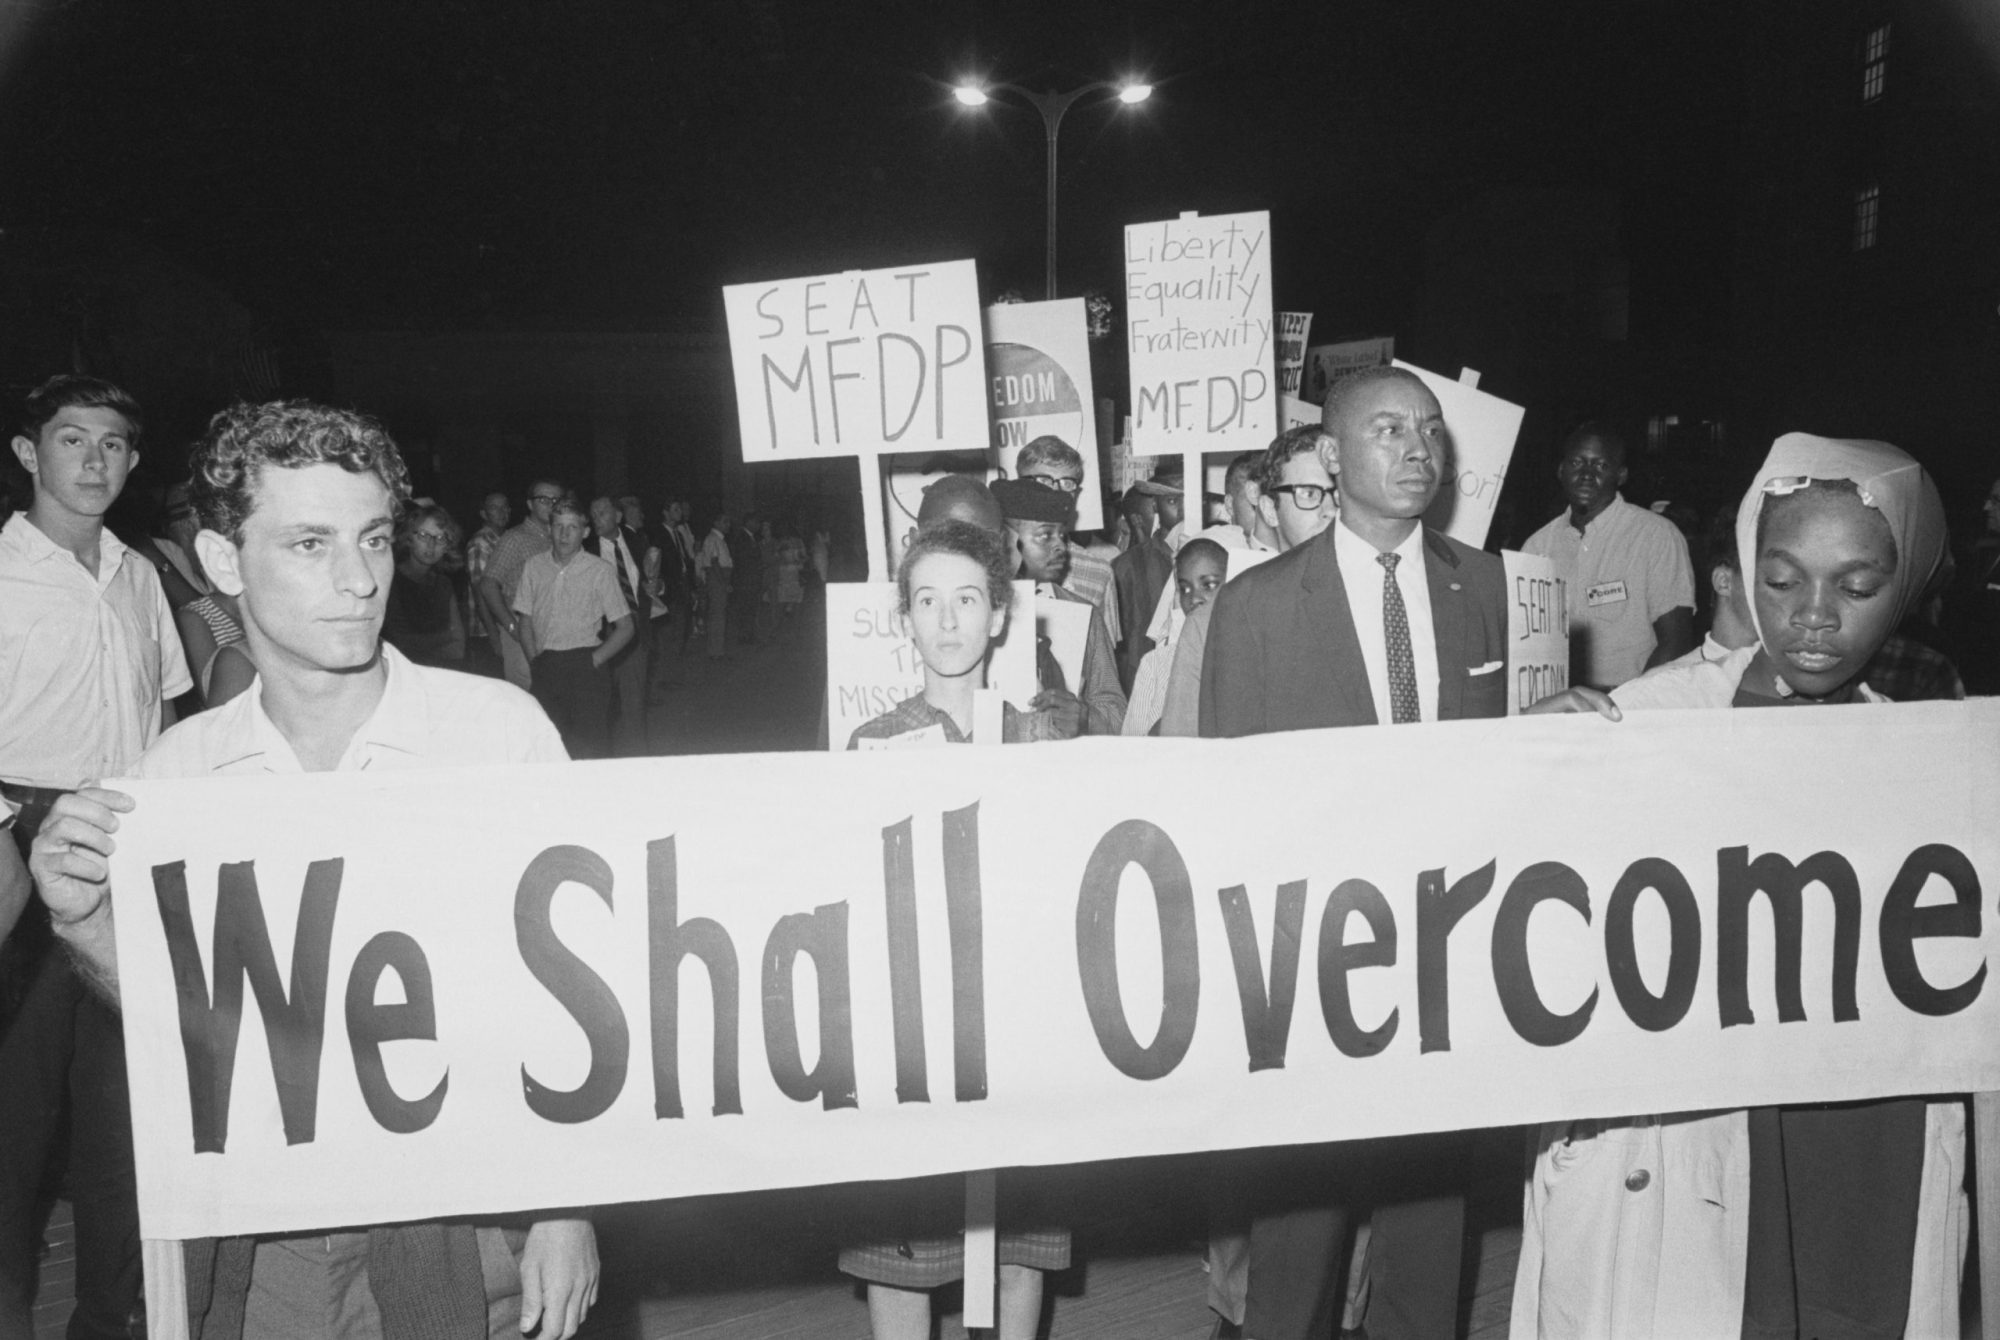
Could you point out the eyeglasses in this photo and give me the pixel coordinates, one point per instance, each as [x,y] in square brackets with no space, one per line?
[1305,497]
[1057,482]
[429,538]
[545,497]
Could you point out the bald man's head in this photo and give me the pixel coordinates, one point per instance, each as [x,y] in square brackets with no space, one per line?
[961,498]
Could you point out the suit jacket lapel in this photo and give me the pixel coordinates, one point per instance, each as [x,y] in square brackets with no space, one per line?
[1330,627]
[1448,623]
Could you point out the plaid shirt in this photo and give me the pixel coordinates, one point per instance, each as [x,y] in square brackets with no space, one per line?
[915,713]
[1904,670]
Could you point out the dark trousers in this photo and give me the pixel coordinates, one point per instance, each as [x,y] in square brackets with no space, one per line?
[62,1053]
[1303,1203]
[577,697]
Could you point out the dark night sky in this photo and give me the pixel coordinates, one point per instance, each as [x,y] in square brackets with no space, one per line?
[441,164]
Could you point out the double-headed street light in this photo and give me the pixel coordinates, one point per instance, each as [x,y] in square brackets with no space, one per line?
[1052,106]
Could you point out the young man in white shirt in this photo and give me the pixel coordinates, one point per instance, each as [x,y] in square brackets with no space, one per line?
[298,506]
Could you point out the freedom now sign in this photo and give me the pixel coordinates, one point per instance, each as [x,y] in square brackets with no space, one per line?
[370,997]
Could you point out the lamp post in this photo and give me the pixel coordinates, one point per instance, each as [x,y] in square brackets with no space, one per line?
[1052,106]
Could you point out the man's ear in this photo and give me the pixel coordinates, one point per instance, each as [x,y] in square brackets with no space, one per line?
[24,451]
[1722,580]
[1267,507]
[1623,475]
[218,557]
[1329,455]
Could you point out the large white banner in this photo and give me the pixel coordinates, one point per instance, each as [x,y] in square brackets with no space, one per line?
[367,997]
[859,363]
[1201,335]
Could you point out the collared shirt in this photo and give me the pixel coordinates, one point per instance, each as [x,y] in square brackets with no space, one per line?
[84,661]
[714,549]
[1625,569]
[1090,577]
[915,719]
[511,553]
[567,604]
[426,718]
[621,554]
[1362,576]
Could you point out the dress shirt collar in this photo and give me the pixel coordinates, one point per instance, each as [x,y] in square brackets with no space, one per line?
[399,723]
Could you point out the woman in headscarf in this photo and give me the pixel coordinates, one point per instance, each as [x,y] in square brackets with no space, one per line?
[1822,1220]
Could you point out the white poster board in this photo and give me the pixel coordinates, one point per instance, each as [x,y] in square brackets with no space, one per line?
[1066,624]
[1483,431]
[859,363]
[1537,630]
[872,662]
[1038,369]
[1328,363]
[1200,334]
[1296,413]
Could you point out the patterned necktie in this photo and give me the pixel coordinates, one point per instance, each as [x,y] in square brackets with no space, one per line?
[619,557]
[1396,633]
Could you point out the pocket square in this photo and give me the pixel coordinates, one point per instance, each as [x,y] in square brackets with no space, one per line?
[1487,668]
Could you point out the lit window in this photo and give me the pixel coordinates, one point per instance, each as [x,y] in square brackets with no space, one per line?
[1867,215]
[1874,63]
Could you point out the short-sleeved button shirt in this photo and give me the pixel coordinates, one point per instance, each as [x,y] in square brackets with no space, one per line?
[85,661]
[511,553]
[1626,569]
[567,604]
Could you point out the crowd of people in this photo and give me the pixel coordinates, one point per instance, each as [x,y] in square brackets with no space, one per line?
[304,613]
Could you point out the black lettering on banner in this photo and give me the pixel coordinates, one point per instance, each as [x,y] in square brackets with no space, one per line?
[1738,880]
[669,941]
[294,1020]
[1904,923]
[1655,1014]
[906,977]
[576,986]
[964,911]
[1513,975]
[1338,957]
[821,936]
[1438,910]
[1136,842]
[369,1025]
[1267,1011]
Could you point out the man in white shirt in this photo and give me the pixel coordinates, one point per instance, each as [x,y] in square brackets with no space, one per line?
[298,505]
[1376,620]
[88,654]
[716,569]
[1631,587]
[565,597]
[625,550]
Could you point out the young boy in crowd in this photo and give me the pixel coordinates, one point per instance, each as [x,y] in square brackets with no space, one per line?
[1200,569]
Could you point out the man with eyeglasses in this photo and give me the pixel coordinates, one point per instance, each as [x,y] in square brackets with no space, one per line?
[1295,500]
[1055,464]
[502,577]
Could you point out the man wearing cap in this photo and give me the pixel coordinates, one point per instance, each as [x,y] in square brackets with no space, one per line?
[1039,519]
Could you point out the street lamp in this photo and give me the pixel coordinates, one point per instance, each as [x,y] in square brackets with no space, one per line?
[1052,106]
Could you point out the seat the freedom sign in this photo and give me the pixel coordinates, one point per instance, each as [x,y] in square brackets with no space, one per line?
[859,364]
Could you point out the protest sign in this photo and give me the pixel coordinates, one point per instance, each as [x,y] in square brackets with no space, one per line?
[1292,328]
[1296,413]
[1038,368]
[872,662]
[662,977]
[1537,630]
[1199,335]
[1483,429]
[859,363]
[1066,624]
[1328,363]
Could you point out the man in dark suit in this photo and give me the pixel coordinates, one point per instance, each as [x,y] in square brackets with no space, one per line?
[1152,510]
[1377,619]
